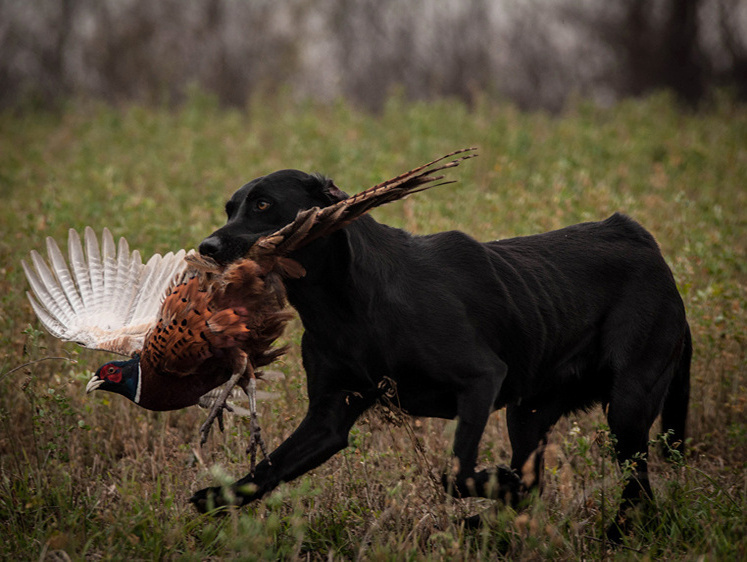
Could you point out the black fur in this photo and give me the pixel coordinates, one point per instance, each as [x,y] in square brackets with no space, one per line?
[543,325]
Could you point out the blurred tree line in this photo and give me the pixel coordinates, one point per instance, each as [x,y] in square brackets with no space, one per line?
[534,52]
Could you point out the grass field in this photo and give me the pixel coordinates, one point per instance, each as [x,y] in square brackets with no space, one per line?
[98,478]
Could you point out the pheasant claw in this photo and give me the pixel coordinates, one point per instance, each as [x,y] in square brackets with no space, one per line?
[221,403]
[255,441]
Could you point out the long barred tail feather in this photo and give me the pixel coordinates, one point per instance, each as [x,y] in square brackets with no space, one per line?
[316,222]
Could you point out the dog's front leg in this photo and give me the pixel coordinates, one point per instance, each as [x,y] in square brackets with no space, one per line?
[323,432]
[474,405]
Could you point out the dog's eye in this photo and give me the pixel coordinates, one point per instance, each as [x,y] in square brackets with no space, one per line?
[262,205]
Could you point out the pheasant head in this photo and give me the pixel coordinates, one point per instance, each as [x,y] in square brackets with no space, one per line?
[121,377]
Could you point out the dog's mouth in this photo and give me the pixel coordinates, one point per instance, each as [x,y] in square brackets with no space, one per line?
[227,250]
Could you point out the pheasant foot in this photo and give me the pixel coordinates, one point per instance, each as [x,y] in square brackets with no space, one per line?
[250,387]
[220,404]
[254,441]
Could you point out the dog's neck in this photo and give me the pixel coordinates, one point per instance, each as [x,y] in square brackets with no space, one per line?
[329,292]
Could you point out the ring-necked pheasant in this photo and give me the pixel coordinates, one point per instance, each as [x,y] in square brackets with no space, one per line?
[189,324]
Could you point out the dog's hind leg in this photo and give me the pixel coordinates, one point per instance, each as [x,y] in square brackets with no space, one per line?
[527,431]
[632,410]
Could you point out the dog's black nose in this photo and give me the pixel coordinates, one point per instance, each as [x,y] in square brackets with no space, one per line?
[211,246]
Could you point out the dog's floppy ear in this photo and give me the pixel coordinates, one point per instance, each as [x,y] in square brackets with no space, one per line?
[330,191]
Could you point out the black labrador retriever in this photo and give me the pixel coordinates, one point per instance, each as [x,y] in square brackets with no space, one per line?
[544,325]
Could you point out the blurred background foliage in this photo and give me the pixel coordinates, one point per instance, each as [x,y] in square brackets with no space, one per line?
[536,53]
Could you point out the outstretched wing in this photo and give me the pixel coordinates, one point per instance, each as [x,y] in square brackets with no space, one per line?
[106,298]
[317,222]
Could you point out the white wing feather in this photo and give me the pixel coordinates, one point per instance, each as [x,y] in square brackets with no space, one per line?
[124,283]
[80,268]
[109,265]
[95,272]
[160,273]
[62,272]
[106,299]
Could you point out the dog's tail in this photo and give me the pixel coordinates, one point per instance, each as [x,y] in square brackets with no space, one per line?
[674,413]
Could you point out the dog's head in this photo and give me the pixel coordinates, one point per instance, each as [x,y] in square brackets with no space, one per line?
[265,205]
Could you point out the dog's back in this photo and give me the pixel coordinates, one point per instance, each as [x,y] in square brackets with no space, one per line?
[585,299]
[555,307]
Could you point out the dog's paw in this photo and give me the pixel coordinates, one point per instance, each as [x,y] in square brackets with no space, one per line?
[204,500]
[213,500]
[616,531]
[473,521]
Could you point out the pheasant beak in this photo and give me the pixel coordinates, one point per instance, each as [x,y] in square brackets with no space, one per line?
[93,384]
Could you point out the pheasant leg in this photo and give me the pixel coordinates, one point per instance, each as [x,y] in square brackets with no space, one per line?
[220,404]
[250,387]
